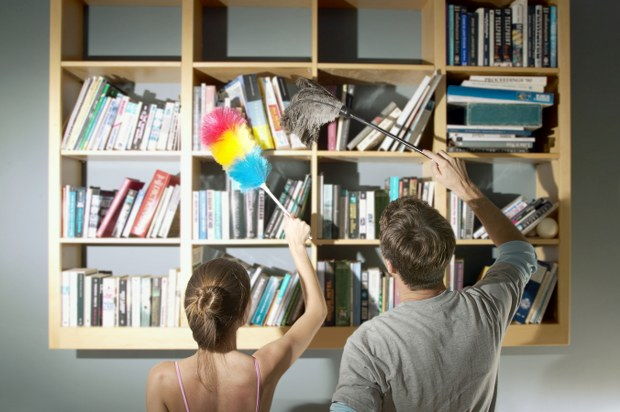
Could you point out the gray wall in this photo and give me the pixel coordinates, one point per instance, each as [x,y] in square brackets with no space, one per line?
[582,376]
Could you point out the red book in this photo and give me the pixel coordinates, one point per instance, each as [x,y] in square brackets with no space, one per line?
[153,195]
[109,220]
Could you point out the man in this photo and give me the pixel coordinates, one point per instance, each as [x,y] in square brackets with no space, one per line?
[438,350]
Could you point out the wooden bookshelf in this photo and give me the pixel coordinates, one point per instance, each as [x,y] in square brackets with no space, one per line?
[68,68]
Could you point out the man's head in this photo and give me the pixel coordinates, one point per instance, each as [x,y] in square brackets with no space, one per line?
[417,242]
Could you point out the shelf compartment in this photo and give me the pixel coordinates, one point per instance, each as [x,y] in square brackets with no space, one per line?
[254,337]
[293,154]
[117,241]
[87,155]
[240,242]
[337,73]
[355,155]
[224,72]
[507,157]
[137,71]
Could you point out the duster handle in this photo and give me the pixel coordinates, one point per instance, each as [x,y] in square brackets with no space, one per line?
[346,112]
[275,199]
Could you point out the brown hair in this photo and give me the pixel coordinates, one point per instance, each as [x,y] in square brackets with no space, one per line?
[216,299]
[417,241]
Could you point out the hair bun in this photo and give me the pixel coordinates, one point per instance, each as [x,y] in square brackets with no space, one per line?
[211,300]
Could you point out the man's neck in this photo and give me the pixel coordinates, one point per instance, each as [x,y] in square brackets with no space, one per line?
[421,294]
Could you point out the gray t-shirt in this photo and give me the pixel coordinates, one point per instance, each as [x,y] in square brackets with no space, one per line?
[437,354]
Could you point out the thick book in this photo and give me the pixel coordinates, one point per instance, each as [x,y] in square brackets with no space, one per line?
[356,296]
[463,95]
[343,292]
[265,301]
[277,300]
[109,220]
[274,115]
[255,111]
[381,201]
[527,115]
[152,197]
[329,292]
[123,216]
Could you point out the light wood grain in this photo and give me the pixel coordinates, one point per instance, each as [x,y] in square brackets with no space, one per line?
[137,71]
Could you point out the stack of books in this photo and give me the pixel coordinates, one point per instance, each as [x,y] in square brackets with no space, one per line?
[537,294]
[521,35]
[407,123]
[525,215]
[237,214]
[131,211]
[496,113]
[261,99]
[106,119]
[354,294]
[96,298]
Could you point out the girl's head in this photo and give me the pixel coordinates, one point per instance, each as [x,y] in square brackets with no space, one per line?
[216,299]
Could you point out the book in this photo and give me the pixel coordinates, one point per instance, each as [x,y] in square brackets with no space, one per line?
[463,94]
[529,294]
[485,114]
[255,111]
[367,129]
[152,197]
[343,292]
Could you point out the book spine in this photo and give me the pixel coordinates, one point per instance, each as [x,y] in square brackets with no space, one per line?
[450,37]
[260,214]
[145,301]
[356,297]
[266,301]
[362,214]
[218,214]
[353,215]
[491,43]
[79,211]
[464,38]
[343,279]
[485,37]
[538,35]
[255,111]
[553,36]
[80,299]
[507,37]
[517,35]
[364,314]
[155,301]
[370,215]
[250,213]
[148,207]
[472,38]
[210,218]
[71,212]
[546,37]
[122,301]
[497,35]
[456,17]
[329,292]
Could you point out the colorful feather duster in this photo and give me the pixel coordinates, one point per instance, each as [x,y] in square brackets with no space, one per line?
[226,133]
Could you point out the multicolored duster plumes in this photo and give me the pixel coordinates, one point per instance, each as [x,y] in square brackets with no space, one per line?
[228,137]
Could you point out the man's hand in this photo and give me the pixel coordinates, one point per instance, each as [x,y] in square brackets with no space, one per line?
[452,173]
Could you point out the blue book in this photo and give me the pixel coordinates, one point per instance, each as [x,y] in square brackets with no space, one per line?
[79,211]
[218,214]
[529,294]
[265,301]
[464,38]
[553,37]
[394,187]
[280,297]
[356,299]
[72,212]
[464,94]
[202,214]
[493,114]
[450,34]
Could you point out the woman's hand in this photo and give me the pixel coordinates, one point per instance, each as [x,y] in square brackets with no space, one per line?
[451,173]
[297,231]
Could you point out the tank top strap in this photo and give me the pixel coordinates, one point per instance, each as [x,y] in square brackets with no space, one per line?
[176,365]
[257,369]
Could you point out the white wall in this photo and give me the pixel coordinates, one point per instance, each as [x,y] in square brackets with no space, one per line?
[583,376]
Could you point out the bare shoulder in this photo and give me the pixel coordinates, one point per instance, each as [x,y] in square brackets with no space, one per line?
[162,374]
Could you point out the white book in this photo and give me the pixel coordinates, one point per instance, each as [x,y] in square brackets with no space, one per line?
[174,128]
[155,129]
[87,204]
[101,140]
[165,126]
[370,215]
[510,79]
[375,137]
[374,292]
[162,207]
[76,110]
[136,307]
[260,213]
[517,19]
[454,204]
[73,298]
[135,117]
[116,126]
[170,298]
[123,133]
[88,293]
[483,137]
[65,210]
[109,305]
[196,104]
[82,116]
[525,47]
[274,116]
[362,215]
[195,213]
[148,128]
[410,108]
[210,214]
[163,307]
[226,216]
[491,37]
[134,212]
[65,291]
[480,36]
[532,87]
[170,212]
[295,141]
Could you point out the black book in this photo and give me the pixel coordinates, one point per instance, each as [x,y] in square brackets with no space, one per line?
[497,39]
[457,35]
[530,36]
[473,39]
[485,52]
[546,24]
[80,299]
[507,36]
[122,301]
[329,293]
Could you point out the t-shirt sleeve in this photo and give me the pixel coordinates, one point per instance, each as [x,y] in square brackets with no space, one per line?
[505,280]
[358,386]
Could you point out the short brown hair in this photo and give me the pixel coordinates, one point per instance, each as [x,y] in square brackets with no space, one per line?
[216,300]
[417,241]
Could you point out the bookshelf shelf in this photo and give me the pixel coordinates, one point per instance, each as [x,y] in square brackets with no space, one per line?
[137,71]
[85,155]
[68,68]
[116,241]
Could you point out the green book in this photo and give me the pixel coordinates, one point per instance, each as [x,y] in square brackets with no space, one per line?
[503,114]
[92,118]
[342,276]
[381,201]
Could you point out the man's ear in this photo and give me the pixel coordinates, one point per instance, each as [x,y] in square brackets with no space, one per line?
[389,267]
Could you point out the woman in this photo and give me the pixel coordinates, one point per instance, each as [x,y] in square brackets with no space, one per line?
[218,377]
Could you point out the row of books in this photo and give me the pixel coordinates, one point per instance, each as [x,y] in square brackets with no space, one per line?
[104,118]
[277,300]
[537,294]
[130,211]
[355,214]
[407,123]
[496,113]
[525,215]
[262,100]
[520,35]
[354,294]
[237,214]
[97,298]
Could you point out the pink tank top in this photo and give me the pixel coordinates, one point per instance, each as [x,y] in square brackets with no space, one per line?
[256,368]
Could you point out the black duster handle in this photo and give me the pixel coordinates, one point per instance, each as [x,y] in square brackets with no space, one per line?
[346,112]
